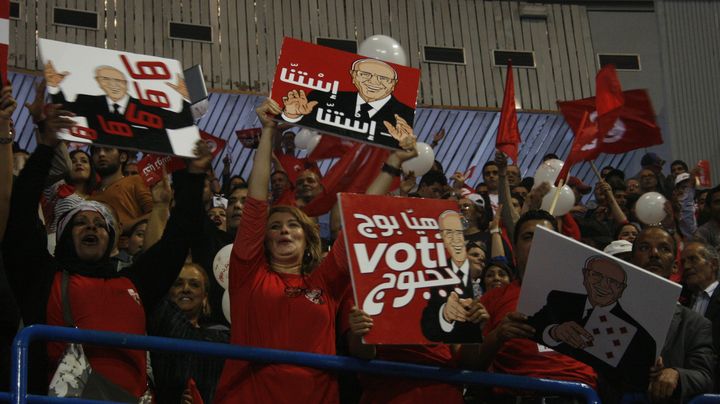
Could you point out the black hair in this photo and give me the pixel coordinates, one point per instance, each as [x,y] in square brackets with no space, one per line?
[643,231]
[91,184]
[486,165]
[533,215]
[615,173]
[620,226]
[528,183]
[710,193]
[682,163]
[550,156]
[616,183]
[432,177]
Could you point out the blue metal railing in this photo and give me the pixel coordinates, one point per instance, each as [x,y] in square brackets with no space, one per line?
[18,393]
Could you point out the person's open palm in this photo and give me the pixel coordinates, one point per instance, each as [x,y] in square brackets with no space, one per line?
[52,76]
[297,104]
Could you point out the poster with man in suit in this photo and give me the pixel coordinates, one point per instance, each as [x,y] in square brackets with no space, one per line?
[121,99]
[596,308]
[409,270]
[345,94]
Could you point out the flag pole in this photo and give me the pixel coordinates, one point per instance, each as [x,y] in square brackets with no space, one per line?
[592,164]
[556,197]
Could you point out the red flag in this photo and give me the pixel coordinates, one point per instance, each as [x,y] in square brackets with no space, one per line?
[508,136]
[194,392]
[249,138]
[4,38]
[634,125]
[608,91]
[584,146]
[216,144]
[331,147]
[354,173]
[150,168]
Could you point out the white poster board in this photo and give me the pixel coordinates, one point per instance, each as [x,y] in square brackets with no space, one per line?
[121,99]
[623,311]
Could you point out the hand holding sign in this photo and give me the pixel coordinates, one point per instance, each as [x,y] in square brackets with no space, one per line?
[663,381]
[52,76]
[180,87]
[513,326]
[476,312]
[572,333]
[297,104]
[201,163]
[360,322]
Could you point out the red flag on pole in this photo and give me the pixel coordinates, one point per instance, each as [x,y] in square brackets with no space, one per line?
[634,126]
[4,38]
[508,135]
[583,147]
[608,91]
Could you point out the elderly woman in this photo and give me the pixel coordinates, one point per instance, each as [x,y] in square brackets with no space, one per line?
[99,297]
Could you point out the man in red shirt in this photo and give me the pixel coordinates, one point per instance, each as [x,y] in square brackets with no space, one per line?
[507,347]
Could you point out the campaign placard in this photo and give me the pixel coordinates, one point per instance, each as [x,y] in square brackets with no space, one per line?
[596,308]
[121,99]
[407,258]
[344,94]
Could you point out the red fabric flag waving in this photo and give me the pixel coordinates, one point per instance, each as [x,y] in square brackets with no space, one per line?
[584,146]
[609,94]
[215,143]
[508,136]
[634,126]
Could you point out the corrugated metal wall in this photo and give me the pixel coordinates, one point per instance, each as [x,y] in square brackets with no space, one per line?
[247,35]
[690,38]
[470,138]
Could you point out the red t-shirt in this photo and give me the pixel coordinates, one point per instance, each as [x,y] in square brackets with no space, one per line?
[264,316]
[106,305]
[381,389]
[524,357]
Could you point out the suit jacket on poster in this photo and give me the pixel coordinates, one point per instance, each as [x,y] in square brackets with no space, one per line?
[562,307]
[345,103]
[144,138]
[461,332]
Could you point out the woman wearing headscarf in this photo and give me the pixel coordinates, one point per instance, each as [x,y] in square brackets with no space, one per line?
[100,297]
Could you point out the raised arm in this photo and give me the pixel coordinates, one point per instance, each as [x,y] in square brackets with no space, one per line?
[615,210]
[161,196]
[393,165]
[260,175]
[507,213]
[7,107]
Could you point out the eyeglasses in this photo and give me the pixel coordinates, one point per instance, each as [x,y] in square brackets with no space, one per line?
[597,277]
[365,76]
[110,80]
[452,233]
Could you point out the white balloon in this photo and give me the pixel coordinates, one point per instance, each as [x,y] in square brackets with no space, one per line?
[565,202]
[226,306]
[423,162]
[650,208]
[312,142]
[221,265]
[548,172]
[302,138]
[384,48]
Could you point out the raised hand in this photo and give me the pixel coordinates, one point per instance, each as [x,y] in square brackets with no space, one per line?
[266,111]
[501,161]
[438,137]
[56,120]
[180,87]
[162,192]
[53,77]
[36,108]
[297,104]
[203,157]
[7,105]
[400,130]
[458,180]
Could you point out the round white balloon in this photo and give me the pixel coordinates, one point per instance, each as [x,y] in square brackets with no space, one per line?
[548,172]
[384,48]
[423,162]
[302,138]
[650,208]
[565,202]
[221,265]
[226,306]
[313,141]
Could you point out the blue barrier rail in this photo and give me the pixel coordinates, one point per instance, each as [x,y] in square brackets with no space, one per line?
[21,345]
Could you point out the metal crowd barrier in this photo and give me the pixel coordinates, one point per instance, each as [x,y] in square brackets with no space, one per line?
[21,345]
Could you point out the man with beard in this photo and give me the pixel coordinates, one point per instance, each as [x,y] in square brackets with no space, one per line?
[129,196]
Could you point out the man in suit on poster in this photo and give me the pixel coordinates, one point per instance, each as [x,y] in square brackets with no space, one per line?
[375,81]
[115,105]
[452,315]
[574,323]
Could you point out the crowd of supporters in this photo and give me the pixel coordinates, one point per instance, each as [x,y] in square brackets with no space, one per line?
[81,227]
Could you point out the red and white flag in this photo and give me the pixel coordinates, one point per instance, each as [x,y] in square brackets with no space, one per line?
[215,143]
[508,135]
[4,37]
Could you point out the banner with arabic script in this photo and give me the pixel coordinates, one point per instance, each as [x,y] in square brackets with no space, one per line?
[121,99]
[407,258]
[345,94]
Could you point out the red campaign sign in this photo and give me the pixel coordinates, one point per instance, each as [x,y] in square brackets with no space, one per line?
[704,178]
[249,138]
[406,260]
[344,94]
[150,168]
[215,143]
